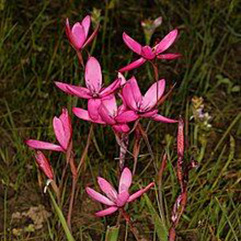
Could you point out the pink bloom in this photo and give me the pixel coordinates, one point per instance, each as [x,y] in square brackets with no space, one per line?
[78,34]
[114,199]
[94,91]
[116,117]
[84,115]
[148,53]
[109,114]
[63,132]
[144,106]
[44,164]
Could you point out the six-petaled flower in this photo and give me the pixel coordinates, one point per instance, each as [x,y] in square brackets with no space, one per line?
[116,199]
[148,53]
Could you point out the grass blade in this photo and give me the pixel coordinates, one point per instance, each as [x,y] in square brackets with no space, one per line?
[62,219]
[161,230]
[112,233]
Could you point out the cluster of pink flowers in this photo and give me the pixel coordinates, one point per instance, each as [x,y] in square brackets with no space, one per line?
[102,107]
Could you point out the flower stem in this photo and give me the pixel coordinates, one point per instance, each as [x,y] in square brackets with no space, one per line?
[80,58]
[70,160]
[123,141]
[128,221]
[86,148]
[136,148]
[155,68]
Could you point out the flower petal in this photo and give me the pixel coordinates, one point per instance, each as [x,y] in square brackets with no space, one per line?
[84,115]
[133,65]
[149,113]
[163,119]
[44,164]
[111,88]
[167,41]
[60,133]
[169,56]
[78,91]
[106,115]
[121,128]
[66,121]
[93,75]
[62,128]
[99,197]
[93,107]
[125,180]
[122,78]
[157,22]
[107,188]
[91,37]
[106,212]
[131,43]
[110,103]
[122,108]
[132,94]
[153,94]
[86,25]
[35,144]
[122,198]
[74,90]
[67,28]
[77,35]
[63,87]
[139,193]
[127,116]
[147,53]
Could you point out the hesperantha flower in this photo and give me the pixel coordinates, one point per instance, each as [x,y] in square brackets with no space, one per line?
[78,34]
[94,91]
[109,114]
[44,165]
[116,199]
[116,117]
[63,132]
[147,53]
[144,106]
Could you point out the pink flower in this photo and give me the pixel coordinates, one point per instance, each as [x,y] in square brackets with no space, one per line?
[114,199]
[78,34]
[148,53]
[144,106]
[94,91]
[44,164]
[63,132]
[116,117]
[84,115]
[109,114]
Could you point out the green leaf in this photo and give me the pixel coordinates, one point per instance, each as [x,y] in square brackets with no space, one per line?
[160,228]
[62,219]
[236,88]
[112,233]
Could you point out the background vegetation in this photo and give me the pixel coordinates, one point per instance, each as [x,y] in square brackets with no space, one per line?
[34,53]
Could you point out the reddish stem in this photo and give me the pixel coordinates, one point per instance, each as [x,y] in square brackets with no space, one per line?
[136,148]
[155,68]
[128,220]
[70,160]
[71,203]
[85,152]
[80,58]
